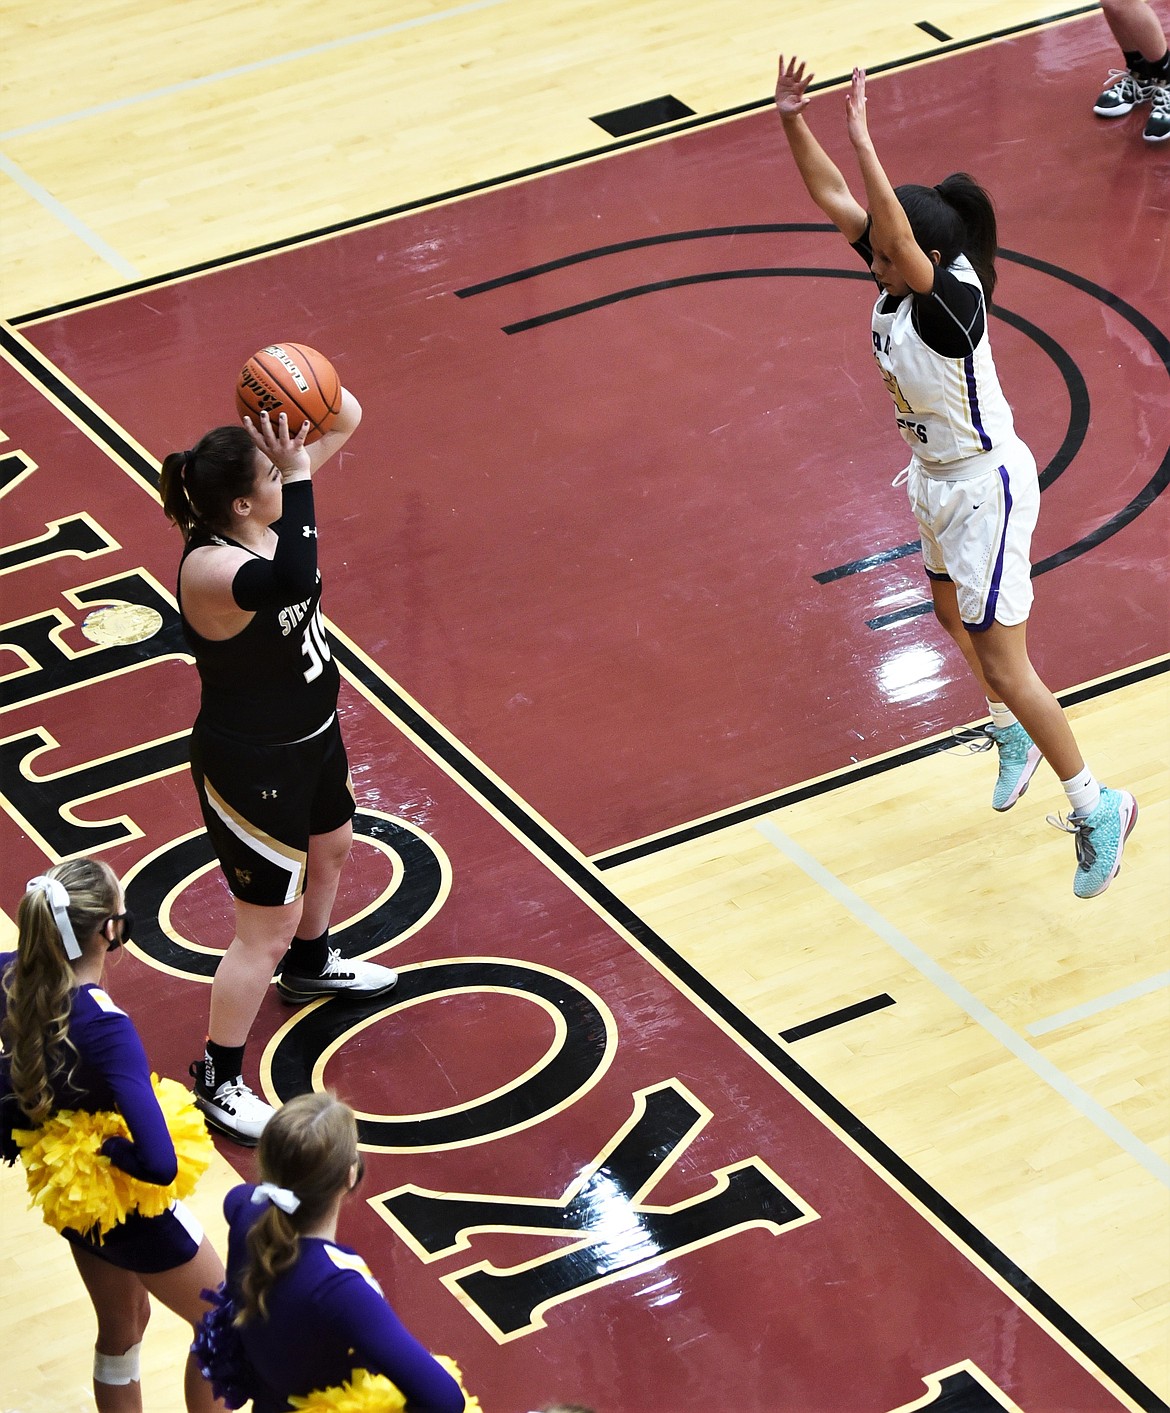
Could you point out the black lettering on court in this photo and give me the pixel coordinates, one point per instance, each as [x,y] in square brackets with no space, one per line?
[616,1233]
[957,1391]
[559,1078]
[43,803]
[148,887]
[55,670]
[75,534]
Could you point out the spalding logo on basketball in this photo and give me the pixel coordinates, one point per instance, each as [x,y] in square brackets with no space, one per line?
[294,379]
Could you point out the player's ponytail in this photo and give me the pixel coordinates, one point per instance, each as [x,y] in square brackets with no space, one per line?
[305,1155]
[956,217]
[40,981]
[198,486]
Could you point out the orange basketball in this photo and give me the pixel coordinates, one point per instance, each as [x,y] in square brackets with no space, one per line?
[293,379]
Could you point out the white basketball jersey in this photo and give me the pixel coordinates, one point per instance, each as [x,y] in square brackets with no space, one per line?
[947,409]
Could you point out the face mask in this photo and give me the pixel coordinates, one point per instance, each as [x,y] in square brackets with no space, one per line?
[127,921]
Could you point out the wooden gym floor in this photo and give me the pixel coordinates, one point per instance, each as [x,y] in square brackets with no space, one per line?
[638,789]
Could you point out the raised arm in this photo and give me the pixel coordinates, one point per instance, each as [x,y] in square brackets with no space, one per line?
[822,178]
[890,230]
[336,437]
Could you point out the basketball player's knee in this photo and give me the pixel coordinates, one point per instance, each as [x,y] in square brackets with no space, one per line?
[334,850]
[949,619]
[1004,679]
[118,1369]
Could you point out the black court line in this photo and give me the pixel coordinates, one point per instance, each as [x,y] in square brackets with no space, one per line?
[599,252]
[654,113]
[619,296]
[933,30]
[488,183]
[40,371]
[903,615]
[587,879]
[871,561]
[863,770]
[1078,393]
[832,1019]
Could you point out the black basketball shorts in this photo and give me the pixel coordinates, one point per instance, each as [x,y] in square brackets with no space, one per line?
[262,803]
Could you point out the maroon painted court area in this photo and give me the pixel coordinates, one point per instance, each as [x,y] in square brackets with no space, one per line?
[745,1247]
[588,550]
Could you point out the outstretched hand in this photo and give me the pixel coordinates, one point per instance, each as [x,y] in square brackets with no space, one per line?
[855,120]
[791,83]
[284,448]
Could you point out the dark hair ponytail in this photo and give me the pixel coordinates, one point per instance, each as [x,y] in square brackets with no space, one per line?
[198,486]
[956,217]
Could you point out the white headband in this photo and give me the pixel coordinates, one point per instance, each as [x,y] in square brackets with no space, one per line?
[58,896]
[281,1197]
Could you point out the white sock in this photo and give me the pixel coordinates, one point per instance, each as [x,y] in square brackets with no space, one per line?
[1083,791]
[1001,717]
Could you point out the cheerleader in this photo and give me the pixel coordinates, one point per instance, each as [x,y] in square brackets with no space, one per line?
[68,1047]
[309,1316]
[972,482]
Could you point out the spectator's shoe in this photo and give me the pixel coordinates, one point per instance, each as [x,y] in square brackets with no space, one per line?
[1099,838]
[1018,758]
[1157,127]
[1126,90]
[232,1108]
[356,981]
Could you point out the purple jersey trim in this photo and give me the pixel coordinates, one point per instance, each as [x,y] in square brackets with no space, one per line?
[973,400]
[997,573]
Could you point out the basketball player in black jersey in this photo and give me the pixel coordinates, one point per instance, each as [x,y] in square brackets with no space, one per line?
[267,755]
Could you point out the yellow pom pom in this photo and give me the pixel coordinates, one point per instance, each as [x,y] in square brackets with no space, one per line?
[362,1393]
[371,1393]
[78,1188]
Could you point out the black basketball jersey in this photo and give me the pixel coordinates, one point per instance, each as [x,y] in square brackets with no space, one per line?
[276,679]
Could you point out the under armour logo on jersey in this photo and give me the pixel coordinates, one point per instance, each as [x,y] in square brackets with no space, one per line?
[308,530]
[268,794]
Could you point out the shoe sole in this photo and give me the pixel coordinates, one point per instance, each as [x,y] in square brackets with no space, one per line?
[301,998]
[1125,833]
[1160,137]
[213,1121]
[1115,112]
[1034,758]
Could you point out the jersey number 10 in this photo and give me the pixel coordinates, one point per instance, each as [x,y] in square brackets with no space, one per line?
[315,646]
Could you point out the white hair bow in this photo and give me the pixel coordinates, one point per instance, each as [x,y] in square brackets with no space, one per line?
[281,1197]
[58,896]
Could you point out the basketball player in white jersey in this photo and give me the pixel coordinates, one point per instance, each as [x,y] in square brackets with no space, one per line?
[972,482]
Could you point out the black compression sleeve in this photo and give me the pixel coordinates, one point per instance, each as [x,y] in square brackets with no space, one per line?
[862,245]
[291,574]
[951,318]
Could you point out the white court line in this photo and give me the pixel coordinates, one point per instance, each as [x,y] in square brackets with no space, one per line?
[1102,1003]
[66,217]
[272,61]
[1084,1103]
